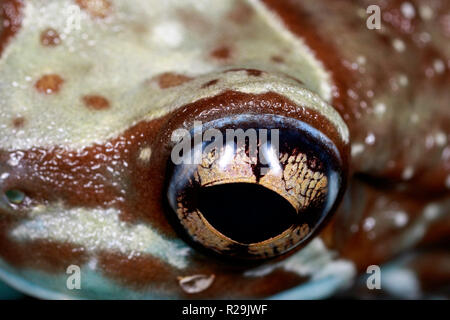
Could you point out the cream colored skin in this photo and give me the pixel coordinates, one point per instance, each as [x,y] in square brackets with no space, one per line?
[118,57]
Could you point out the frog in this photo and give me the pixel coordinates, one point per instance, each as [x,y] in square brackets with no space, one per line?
[95,96]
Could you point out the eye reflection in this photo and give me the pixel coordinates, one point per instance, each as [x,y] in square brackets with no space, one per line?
[258,194]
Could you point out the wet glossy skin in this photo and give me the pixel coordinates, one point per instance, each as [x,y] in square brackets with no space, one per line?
[87,113]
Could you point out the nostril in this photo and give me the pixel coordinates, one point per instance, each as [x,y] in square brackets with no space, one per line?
[15,196]
[245,212]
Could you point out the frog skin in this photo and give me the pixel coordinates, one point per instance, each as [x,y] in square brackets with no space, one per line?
[91,91]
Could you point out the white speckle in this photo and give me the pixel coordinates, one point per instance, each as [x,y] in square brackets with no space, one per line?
[352,94]
[360,12]
[447,182]
[414,118]
[145,154]
[429,142]
[425,12]
[431,212]
[401,282]
[440,139]
[337,267]
[446,153]
[14,158]
[408,173]
[15,84]
[357,148]
[369,224]
[408,10]
[361,60]
[424,37]
[261,271]
[370,139]
[403,80]
[4,176]
[439,66]
[92,263]
[169,33]
[380,108]
[400,219]
[398,45]
[196,283]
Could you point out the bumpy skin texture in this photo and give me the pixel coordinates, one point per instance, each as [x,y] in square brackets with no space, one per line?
[90,92]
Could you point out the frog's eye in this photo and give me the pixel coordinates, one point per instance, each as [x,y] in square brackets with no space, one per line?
[253,186]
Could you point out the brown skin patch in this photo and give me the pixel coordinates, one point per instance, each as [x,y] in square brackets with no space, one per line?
[304,26]
[138,271]
[49,84]
[18,122]
[380,243]
[11,16]
[170,79]
[432,269]
[221,53]
[96,102]
[210,83]
[50,38]
[96,8]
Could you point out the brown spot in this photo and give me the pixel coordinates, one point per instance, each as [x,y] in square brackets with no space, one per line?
[96,8]
[169,79]
[221,53]
[210,83]
[50,38]
[277,59]
[18,122]
[241,13]
[11,19]
[96,102]
[49,84]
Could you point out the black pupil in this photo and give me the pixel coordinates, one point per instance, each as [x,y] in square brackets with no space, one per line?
[245,212]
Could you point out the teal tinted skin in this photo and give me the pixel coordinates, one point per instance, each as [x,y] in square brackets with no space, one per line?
[7,293]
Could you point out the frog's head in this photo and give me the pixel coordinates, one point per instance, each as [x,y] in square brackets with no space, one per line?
[164,152]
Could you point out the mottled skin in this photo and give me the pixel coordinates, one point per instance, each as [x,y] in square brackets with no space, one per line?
[87,112]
